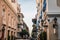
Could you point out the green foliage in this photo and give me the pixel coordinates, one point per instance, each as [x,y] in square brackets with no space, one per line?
[24,32]
[43,36]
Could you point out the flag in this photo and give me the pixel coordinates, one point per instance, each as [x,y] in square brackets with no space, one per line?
[44,5]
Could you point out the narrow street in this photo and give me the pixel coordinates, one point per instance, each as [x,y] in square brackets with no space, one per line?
[29,19]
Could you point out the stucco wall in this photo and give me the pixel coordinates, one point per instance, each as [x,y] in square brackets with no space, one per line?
[52,6]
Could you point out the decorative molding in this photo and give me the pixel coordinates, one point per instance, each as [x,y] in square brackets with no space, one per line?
[10,7]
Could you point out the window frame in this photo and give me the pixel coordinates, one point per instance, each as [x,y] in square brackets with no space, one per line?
[13,1]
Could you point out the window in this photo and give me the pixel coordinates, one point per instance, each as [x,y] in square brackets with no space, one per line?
[38,4]
[37,10]
[8,35]
[18,26]
[13,1]
[18,33]
[8,32]
[12,35]
[9,14]
[18,17]
[3,11]
[58,3]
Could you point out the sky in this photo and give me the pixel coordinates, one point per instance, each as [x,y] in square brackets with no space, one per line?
[28,8]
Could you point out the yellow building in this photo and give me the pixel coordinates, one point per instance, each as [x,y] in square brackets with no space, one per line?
[8,19]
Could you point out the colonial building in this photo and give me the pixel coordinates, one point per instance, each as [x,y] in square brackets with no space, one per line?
[51,9]
[25,27]
[8,19]
[34,30]
[20,24]
[23,30]
[54,11]
[42,21]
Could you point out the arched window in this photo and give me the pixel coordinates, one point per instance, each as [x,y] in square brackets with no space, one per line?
[3,11]
[19,17]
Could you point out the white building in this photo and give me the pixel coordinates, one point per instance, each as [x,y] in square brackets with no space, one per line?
[54,11]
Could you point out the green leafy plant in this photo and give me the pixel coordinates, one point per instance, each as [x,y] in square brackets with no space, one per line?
[43,36]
